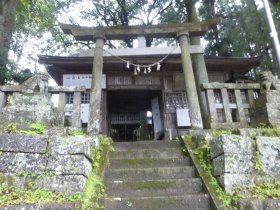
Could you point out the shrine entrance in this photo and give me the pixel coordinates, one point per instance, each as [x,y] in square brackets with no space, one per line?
[132,112]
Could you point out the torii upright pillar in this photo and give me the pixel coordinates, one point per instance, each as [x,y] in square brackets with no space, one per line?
[94,125]
[195,114]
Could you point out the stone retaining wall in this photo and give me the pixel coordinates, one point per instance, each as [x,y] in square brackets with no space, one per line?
[58,164]
[243,160]
[266,109]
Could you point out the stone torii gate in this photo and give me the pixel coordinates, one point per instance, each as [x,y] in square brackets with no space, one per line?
[196,99]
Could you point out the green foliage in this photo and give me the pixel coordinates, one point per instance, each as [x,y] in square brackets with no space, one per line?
[15,196]
[95,188]
[11,128]
[34,128]
[269,130]
[202,153]
[221,132]
[258,163]
[266,190]
[76,133]
[129,204]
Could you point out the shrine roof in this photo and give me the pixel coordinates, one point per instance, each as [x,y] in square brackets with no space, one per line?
[58,65]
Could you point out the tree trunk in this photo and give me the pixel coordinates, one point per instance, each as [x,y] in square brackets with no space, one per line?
[7,22]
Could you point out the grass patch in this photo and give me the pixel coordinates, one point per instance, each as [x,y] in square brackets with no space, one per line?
[34,128]
[95,188]
[202,154]
[15,196]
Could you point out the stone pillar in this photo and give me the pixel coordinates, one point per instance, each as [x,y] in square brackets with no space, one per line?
[94,125]
[201,76]
[2,100]
[195,114]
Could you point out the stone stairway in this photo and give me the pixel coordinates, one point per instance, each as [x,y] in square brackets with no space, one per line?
[152,175]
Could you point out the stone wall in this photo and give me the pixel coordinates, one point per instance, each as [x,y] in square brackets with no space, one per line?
[266,109]
[29,102]
[59,164]
[245,159]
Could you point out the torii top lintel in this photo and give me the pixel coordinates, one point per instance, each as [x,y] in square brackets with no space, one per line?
[82,33]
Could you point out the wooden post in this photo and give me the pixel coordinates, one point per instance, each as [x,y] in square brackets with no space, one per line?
[226,105]
[94,125]
[2,100]
[195,114]
[76,115]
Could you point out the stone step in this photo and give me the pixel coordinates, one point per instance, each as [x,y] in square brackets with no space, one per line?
[148,163]
[154,187]
[147,153]
[183,202]
[182,172]
[120,146]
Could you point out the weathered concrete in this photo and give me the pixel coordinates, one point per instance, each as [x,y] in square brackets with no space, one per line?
[28,108]
[2,100]
[259,204]
[233,163]
[69,164]
[65,184]
[251,204]
[269,149]
[195,114]
[232,180]
[23,143]
[94,125]
[271,204]
[266,109]
[230,144]
[49,206]
[60,164]
[238,160]
[71,145]
[22,162]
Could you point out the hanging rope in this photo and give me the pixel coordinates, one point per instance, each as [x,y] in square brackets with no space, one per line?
[145,68]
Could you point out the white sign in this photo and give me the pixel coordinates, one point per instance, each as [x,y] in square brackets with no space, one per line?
[79,80]
[183,117]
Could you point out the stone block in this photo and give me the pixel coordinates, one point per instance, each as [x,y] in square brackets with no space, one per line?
[269,149]
[230,144]
[23,143]
[250,204]
[70,164]
[230,181]
[232,163]
[271,204]
[66,184]
[70,145]
[22,162]
[49,206]
[272,96]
